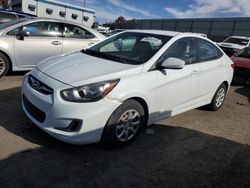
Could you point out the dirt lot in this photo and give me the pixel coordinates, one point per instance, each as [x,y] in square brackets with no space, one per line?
[196,149]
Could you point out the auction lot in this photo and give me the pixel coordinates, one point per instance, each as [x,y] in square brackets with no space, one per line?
[195,149]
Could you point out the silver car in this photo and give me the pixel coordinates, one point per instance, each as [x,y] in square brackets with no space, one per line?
[25,42]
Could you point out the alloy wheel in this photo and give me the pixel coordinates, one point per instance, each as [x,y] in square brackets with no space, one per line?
[2,66]
[220,97]
[128,125]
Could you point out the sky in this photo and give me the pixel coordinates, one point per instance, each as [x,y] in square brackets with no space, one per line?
[109,10]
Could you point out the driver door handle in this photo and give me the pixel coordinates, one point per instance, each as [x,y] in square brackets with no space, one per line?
[56,43]
[195,72]
[91,44]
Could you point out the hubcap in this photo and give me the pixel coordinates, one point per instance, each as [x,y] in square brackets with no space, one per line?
[128,125]
[220,97]
[2,66]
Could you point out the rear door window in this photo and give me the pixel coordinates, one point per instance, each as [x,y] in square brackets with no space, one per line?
[73,31]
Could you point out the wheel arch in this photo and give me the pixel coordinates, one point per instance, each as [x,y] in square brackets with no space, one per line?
[144,105]
[226,84]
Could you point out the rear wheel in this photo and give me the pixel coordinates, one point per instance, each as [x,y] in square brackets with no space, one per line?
[218,98]
[124,124]
[4,65]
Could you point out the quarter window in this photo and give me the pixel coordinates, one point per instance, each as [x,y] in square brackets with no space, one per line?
[44,29]
[183,49]
[207,50]
[14,32]
[72,31]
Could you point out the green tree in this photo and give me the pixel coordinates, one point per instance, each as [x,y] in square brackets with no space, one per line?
[95,25]
[120,19]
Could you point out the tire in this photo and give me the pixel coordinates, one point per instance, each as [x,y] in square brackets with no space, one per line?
[124,124]
[219,98]
[4,65]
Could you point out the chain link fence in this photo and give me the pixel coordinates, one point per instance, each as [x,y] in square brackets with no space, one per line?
[216,29]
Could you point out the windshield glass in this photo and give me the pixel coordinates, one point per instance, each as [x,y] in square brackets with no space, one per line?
[245,53]
[237,41]
[12,22]
[129,47]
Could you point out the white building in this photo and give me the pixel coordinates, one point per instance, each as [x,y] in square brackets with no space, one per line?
[56,9]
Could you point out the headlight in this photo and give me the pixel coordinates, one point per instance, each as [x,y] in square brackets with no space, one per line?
[89,93]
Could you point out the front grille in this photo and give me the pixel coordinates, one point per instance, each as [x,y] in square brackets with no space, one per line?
[39,86]
[36,113]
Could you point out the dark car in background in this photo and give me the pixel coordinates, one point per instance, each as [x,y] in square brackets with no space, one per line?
[242,66]
[8,15]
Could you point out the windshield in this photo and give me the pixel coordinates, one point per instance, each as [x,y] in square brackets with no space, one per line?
[245,53]
[237,41]
[129,47]
[12,22]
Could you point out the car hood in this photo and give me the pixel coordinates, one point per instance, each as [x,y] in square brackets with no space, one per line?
[241,62]
[78,69]
[1,31]
[230,45]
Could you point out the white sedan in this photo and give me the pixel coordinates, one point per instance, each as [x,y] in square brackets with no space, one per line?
[26,42]
[133,79]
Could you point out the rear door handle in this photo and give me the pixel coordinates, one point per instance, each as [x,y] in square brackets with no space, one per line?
[56,43]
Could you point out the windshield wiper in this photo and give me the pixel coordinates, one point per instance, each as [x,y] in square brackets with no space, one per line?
[104,55]
[115,58]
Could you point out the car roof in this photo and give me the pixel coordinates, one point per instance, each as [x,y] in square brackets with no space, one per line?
[16,12]
[55,20]
[157,32]
[167,33]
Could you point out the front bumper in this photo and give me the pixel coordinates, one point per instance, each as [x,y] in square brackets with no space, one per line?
[59,113]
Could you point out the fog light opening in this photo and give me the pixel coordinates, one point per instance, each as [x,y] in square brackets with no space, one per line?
[74,126]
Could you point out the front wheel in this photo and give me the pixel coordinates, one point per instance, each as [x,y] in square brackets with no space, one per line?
[218,98]
[124,124]
[4,65]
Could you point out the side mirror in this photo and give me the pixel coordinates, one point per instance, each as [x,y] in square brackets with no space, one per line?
[173,63]
[21,34]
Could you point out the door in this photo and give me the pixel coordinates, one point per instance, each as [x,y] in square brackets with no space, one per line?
[43,42]
[177,88]
[212,68]
[77,38]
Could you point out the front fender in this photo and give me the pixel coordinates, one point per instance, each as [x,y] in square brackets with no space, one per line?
[138,86]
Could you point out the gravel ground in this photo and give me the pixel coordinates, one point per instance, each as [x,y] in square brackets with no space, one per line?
[196,149]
